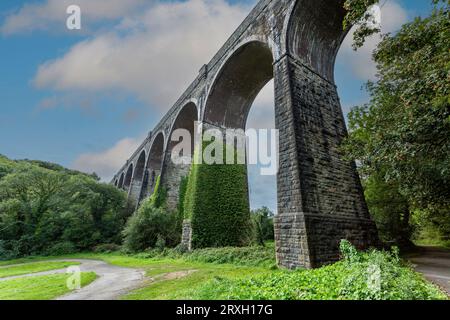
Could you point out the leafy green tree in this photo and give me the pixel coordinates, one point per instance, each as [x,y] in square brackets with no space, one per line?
[263,223]
[151,226]
[403,134]
[45,207]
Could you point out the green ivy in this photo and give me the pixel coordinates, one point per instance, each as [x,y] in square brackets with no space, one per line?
[217,204]
[159,196]
[182,194]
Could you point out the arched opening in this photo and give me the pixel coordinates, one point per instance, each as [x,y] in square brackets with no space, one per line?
[136,186]
[246,72]
[318,46]
[179,159]
[154,165]
[262,188]
[115,183]
[121,180]
[222,192]
[128,177]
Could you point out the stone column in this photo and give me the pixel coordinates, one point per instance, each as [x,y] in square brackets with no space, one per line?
[320,198]
[135,191]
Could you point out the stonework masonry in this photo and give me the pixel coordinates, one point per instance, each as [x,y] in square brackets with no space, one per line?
[320,198]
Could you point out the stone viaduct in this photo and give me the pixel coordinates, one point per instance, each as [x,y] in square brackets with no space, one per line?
[320,198]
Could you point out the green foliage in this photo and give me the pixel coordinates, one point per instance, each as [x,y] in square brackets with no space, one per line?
[403,134]
[107,248]
[217,204]
[182,195]
[47,209]
[389,209]
[150,226]
[263,225]
[360,276]
[61,248]
[358,15]
[159,196]
[254,256]
[431,228]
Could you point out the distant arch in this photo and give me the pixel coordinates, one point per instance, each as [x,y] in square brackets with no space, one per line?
[121,180]
[140,167]
[185,119]
[128,177]
[178,162]
[154,163]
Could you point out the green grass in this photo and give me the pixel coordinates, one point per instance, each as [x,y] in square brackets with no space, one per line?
[248,277]
[186,286]
[372,275]
[40,287]
[17,270]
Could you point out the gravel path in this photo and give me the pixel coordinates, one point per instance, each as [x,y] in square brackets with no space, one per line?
[112,281]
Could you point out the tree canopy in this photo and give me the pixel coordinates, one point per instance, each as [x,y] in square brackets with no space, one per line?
[403,133]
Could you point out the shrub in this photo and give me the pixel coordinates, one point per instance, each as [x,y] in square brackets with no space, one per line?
[149,224]
[360,276]
[255,256]
[263,225]
[107,248]
[43,206]
[61,248]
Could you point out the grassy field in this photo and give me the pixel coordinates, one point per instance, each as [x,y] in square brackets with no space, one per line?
[17,270]
[39,287]
[234,273]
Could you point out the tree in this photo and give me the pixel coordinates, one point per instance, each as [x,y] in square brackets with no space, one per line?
[403,133]
[45,208]
[263,223]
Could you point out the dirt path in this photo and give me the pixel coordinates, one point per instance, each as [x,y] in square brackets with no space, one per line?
[434,264]
[111,283]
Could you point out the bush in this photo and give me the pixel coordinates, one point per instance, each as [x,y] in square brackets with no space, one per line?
[61,248]
[148,225]
[43,207]
[263,225]
[254,256]
[360,276]
[107,248]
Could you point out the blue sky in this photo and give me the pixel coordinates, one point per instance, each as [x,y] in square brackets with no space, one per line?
[59,105]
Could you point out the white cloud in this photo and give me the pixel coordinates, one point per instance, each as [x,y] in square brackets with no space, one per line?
[106,163]
[262,113]
[360,62]
[153,55]
[51,14]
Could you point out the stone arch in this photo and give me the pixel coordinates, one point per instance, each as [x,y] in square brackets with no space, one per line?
[154,163]
[185,119]
[128,177]
[237,84]
[175,171]
[136,185]
[121,180]
[314,34]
